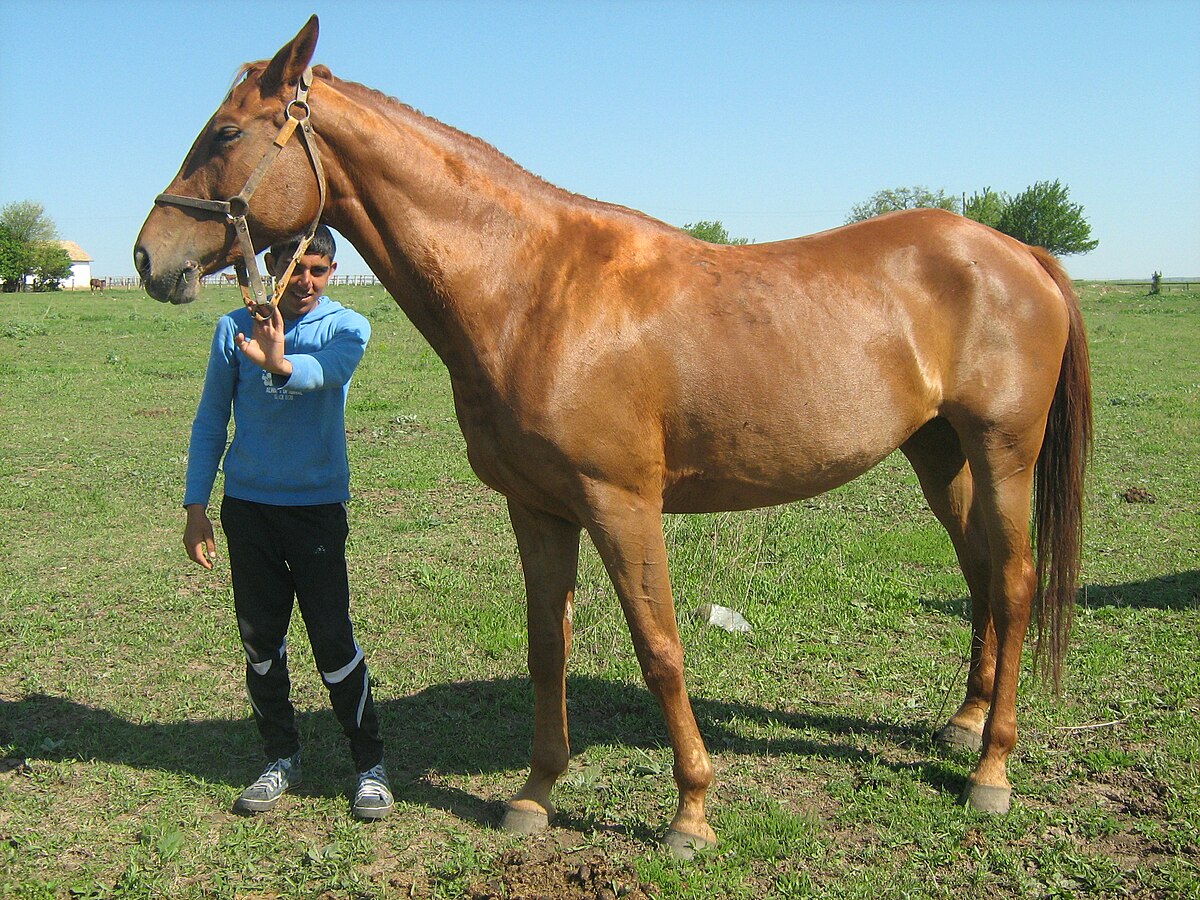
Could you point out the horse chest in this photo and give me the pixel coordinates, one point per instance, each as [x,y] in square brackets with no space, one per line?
[506,451]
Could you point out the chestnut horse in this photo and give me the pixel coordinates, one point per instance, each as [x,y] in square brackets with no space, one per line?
[608,368]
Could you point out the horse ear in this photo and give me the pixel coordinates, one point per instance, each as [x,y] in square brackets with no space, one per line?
[292,59]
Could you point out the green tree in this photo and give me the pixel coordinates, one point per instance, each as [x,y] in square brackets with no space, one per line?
[987,207]
[894,199]
[28,222]
[29,248]
[51,265]
[713,232]
[15,259]
[1044,216]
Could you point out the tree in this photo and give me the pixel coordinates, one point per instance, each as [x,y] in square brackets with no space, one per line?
[986,207]
[894,199]
[28,222]
[15,259]
[29,248]
[713,232]
[1042,215]
[51,265]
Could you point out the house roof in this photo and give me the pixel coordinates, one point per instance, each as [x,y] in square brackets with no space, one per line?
[77,253]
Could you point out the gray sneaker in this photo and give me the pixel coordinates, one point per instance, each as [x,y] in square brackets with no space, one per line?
[279,777]
[373,794]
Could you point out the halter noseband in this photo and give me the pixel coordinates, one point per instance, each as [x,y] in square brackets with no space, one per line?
[236,208]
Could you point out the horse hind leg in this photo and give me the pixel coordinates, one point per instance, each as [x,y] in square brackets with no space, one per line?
[1004,486]
[936,456]
[988,501]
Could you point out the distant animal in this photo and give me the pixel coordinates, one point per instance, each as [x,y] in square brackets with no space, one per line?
[608,368]
[99,284]
[228,278]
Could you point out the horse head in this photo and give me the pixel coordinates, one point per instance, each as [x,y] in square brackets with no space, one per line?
[189,232]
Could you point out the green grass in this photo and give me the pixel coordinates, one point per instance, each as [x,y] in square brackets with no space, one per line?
[125,733]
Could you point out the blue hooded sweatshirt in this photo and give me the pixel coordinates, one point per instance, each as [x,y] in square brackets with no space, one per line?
[289,440]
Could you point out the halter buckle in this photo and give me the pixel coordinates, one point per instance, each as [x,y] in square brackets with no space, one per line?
[239,208]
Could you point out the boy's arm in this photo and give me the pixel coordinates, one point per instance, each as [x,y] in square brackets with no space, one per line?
[210,432]
[333,365]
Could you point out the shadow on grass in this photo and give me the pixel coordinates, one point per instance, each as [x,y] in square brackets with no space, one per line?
[467,728]
[461,728]
[1179,591]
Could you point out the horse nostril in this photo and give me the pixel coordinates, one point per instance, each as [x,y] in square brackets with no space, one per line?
[141,260]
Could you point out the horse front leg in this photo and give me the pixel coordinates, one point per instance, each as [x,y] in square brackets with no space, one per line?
[549,550]
[629,538]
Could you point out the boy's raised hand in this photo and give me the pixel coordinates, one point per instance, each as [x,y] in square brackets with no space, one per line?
[264,347]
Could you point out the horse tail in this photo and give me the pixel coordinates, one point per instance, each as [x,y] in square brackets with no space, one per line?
[1058,480]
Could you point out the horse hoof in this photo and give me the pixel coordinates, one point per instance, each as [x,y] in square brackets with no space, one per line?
[987,798]
[524,821]
[684,846]
[955,737]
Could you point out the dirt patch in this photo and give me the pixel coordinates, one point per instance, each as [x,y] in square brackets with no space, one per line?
[1132,797]
[546,870]
[1138,495]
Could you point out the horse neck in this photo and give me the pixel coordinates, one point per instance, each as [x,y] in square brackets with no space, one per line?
[438,215]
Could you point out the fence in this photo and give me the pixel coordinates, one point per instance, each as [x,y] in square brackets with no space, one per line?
[1165,286]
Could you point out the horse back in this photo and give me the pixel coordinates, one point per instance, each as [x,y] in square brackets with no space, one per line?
[739,376]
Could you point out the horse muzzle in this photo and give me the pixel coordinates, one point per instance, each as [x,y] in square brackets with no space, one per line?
[175,284]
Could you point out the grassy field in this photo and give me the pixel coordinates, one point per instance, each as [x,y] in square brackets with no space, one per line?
[125,734]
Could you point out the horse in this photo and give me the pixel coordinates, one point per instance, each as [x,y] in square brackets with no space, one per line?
[607,368]
[98,284]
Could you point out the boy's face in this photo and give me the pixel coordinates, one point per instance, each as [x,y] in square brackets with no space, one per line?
[307,284]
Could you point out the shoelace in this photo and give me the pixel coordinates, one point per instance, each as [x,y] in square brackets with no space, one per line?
[271,780]
[372,783]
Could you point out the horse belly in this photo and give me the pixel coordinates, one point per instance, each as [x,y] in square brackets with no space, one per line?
[757,462]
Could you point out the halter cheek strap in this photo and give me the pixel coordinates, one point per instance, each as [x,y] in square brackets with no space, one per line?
[237,208]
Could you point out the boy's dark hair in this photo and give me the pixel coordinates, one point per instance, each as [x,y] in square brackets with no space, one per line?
[322,245]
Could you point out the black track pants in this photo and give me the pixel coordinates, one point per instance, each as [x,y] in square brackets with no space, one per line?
[277,553]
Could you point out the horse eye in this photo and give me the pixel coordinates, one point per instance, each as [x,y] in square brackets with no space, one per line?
[228,134]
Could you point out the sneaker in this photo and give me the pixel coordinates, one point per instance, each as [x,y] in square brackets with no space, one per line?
[279,777]
[373,794]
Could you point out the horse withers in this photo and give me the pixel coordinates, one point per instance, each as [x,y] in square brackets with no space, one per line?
[607,368]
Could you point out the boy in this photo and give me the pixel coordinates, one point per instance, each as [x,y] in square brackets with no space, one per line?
[287,480]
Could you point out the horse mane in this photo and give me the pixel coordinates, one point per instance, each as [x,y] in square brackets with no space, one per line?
[481,151]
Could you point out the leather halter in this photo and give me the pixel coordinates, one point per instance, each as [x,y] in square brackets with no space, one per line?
[236,208]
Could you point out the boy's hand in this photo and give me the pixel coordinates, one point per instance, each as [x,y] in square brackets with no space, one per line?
[265,347]
[198,539]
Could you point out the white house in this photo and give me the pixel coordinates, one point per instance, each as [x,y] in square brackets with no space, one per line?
[81,267]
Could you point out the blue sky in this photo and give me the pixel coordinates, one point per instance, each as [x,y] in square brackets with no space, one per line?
[775,118]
